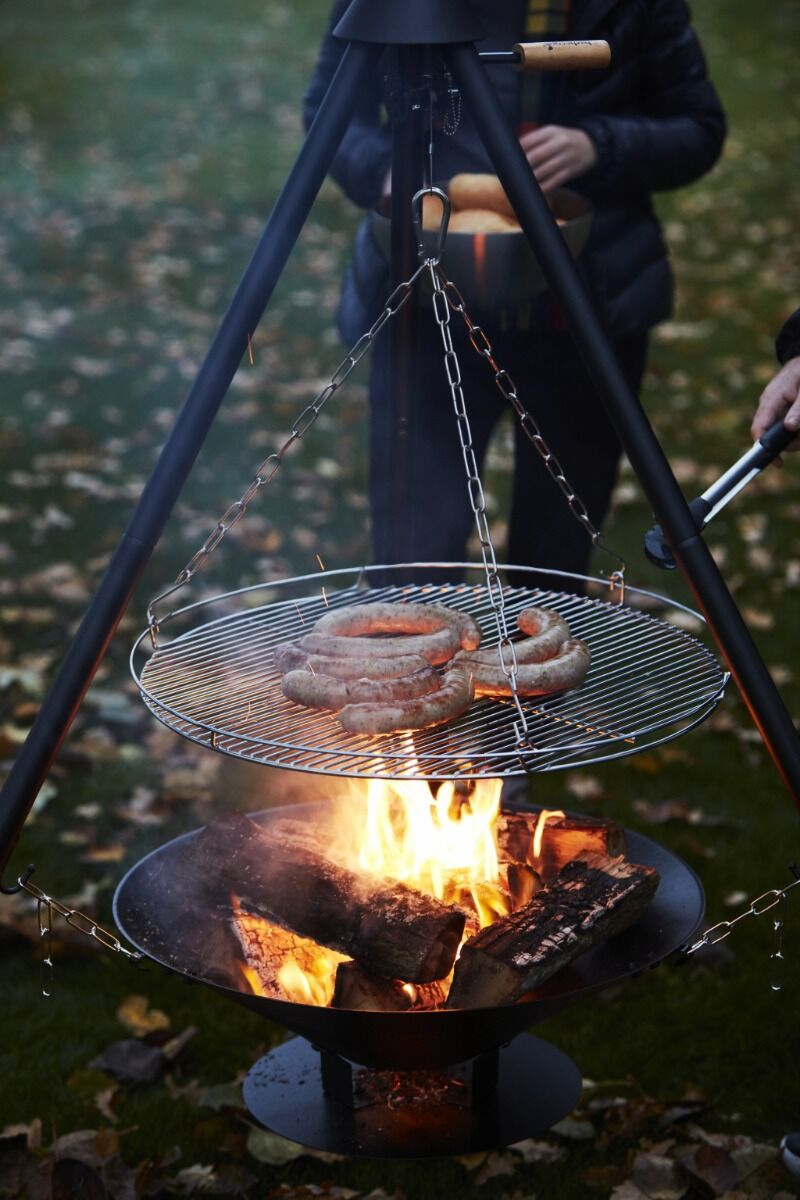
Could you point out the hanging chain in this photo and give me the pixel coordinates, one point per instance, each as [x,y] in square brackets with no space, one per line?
[494,588]
[505,384]
[761,905]
[46,906]
[272,463]
[452,116]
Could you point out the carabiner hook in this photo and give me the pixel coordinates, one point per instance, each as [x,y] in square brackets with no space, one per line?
[416,216]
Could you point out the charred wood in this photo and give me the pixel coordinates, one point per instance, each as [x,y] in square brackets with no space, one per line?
[354,988]
[391,929]
[267,948]
[563,839]
[593,898]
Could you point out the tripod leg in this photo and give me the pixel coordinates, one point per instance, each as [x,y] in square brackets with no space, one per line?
[629,419]
[183,445]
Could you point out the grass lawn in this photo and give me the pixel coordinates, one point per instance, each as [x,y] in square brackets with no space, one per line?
[141,146]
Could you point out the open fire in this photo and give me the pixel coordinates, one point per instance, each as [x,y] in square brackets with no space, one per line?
[480,867]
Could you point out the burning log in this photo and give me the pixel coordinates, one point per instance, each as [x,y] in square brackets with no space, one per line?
[354,988]
[563,838]
[280,964]
[392,930]
[523,883]
[593,898]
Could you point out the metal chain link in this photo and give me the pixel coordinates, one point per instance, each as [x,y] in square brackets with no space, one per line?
[46,906]
[761,905]
[505,384]
[506,652]
[272,463]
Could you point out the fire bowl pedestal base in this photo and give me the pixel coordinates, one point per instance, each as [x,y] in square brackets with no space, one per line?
[323,1101]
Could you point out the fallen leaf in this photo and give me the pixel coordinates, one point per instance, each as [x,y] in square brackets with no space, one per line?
[136,1015]
[498,1162]
[222,1095]
[658,1177]
[713,1166]
[130,1061]
[534,1151]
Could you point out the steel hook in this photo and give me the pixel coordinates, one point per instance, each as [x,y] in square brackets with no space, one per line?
[21,881]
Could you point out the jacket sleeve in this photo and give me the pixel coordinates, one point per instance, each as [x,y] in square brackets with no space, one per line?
[365,153]
[787,343]
[679,133]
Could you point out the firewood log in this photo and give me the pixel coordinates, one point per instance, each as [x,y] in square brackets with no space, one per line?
[389,928]
[266,948]
[563,839]
[354,988]
[593,898]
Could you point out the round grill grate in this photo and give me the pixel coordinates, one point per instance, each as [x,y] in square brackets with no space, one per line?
[216,682]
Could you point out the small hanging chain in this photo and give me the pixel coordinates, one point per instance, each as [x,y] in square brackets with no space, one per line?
[46,906]
[494,587]
[272,463]
[452,116]
[761,905]
[505,384]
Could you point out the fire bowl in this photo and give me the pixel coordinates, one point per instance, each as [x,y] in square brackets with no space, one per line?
[154,911]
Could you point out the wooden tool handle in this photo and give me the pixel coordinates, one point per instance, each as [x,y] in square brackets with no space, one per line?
[562,56]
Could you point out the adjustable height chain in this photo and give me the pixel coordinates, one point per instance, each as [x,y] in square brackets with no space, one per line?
[505,384]
[505,649]
[272,463]
[758,908]
[46,906]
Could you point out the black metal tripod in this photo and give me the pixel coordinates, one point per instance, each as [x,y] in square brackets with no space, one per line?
[413,26]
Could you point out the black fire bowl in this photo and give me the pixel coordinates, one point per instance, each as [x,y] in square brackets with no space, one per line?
[435,1083]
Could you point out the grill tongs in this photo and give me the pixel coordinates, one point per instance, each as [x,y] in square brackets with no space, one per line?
[705,507]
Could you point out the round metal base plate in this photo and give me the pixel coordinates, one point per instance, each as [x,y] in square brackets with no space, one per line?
[537,1085]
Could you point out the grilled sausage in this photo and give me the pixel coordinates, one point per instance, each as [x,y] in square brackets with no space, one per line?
[292,658]
[323,691]
[453,698]
[356,620]
[547,633]
[565,670]
[438,647]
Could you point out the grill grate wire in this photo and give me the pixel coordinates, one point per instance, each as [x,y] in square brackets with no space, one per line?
[216,683]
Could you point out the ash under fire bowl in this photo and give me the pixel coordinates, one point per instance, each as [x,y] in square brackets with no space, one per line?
[412,1083]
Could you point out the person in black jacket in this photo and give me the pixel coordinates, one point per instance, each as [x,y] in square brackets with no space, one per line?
[781,396]
[650,122]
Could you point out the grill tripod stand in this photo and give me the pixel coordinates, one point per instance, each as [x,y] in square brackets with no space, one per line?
[413,26]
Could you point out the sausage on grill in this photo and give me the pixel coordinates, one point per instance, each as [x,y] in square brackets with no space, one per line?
[357,620]
[438,647]
[323,691]
[292,658]
[453,698]
[547,631]
[565,670]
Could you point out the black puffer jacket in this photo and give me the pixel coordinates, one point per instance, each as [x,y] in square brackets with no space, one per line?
[653,115]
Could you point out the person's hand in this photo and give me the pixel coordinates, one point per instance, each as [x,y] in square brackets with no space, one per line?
[780,398]
[558,154]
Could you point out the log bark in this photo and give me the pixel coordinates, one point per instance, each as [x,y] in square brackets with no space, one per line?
[355,988]
[593,898]
[563,839]
[391,929]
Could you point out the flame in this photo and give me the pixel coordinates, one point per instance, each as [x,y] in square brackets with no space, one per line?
[253,980]
[442,845]
[312,985]
[544,816]
[282,964]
